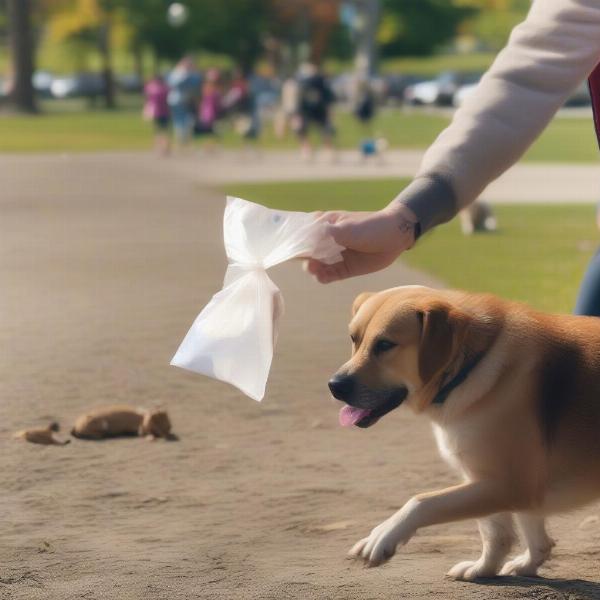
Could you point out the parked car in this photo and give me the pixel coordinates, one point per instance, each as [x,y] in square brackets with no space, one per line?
[344,86]
[396,85]
[130,83]
[82,85]
[580,97]
[441,90]
[4,85]
[42,83]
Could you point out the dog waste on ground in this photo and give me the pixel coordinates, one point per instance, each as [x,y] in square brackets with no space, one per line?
[233,338]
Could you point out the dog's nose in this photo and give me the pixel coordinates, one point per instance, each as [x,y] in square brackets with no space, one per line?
[341,386]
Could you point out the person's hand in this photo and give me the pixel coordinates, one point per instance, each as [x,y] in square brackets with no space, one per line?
[373,240]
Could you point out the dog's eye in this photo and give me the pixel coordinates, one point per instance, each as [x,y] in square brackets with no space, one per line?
[382,346]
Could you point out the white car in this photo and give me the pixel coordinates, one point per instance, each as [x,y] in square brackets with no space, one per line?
[424,93]
[462,93]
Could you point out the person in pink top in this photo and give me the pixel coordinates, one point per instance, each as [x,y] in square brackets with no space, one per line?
[156,109]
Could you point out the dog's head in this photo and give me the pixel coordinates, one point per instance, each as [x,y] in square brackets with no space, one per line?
[405,341]
[157,423]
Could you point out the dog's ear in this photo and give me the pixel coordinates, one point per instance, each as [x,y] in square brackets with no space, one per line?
[360,300]
[443,330]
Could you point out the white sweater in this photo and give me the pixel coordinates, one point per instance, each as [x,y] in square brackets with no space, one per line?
[546,58]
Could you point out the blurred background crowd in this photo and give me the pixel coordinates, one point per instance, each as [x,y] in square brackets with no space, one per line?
[227,72]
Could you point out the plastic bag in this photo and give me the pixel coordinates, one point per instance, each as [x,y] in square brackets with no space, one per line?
[233,338]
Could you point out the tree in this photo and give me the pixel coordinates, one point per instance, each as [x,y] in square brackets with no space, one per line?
[494,20]
[150,29]
[90,22]
[419,27]
[22,50]
[314,22]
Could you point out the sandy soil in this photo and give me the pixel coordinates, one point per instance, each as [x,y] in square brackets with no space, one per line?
[103,266]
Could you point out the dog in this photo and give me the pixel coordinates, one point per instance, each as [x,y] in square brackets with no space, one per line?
[478,217]
[42,435]
[514,399]
[122,420]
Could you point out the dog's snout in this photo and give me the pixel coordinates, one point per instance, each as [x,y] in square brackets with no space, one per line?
[341,386]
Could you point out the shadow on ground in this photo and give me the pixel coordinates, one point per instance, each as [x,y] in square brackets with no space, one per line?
[573,589]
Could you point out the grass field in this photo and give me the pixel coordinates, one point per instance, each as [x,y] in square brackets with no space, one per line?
[538,255]
[67,127]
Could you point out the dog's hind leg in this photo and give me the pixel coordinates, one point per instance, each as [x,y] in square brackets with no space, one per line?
[539,546]
[498,535]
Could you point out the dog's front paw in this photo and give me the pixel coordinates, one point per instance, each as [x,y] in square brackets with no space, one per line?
[381,544]
[469,570]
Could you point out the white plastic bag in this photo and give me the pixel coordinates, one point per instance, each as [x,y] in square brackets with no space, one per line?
[233,338]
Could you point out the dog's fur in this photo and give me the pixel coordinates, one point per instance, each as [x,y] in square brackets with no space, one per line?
[523,428]
[112,421]
[42,435]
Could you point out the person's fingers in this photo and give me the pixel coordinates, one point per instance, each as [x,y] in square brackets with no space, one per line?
[330,216]
[343,232]
[312,266]
[328,273]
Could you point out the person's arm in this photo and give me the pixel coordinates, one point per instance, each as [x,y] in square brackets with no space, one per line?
[546,58]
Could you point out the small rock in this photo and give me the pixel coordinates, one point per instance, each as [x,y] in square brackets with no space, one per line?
[337,526]
[591,520]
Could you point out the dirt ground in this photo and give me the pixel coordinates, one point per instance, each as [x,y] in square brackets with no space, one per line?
[104,263]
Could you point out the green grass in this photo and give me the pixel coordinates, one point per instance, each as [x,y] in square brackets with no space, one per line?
[433,65]
[69,127]
[89,131]
[538,255]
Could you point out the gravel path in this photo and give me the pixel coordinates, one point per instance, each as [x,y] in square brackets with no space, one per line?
[104,263]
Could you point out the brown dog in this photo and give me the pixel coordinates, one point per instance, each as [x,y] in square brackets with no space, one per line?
[514,399]
[113,421]
[42,435]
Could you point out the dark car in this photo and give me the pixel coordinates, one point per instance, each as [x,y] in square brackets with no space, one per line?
[396,85]
[82,85]
[130,83]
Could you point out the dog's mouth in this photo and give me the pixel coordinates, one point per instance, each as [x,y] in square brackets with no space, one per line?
[365,417]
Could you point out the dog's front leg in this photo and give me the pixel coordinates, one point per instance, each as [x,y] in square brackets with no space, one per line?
[465,501]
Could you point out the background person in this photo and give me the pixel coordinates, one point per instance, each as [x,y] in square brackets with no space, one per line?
[209,108]
[242,103]
[184,89]
[546,58]
[588,299]
[314,108]
[156,109]
[287,115]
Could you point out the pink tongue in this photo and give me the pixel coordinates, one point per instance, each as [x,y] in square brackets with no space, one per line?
[349,415]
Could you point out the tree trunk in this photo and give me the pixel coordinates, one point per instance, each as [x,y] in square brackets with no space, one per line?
[107,72]
[365,60]
[138,61]
[22,47]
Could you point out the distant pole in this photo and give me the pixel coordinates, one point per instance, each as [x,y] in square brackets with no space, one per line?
[104,45]
[366,23]
[22,50]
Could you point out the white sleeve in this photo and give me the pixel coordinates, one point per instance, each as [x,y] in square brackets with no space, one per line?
[546,58]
